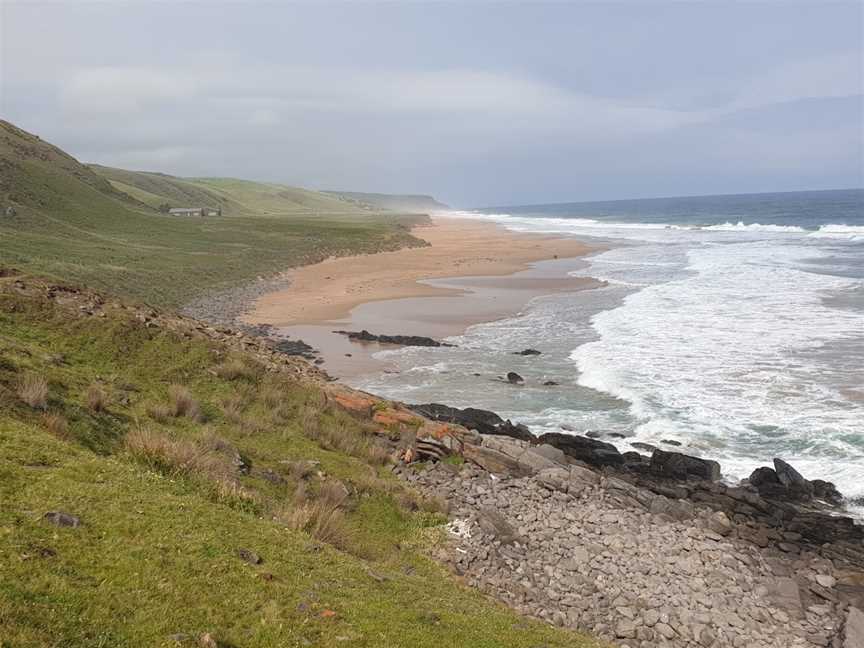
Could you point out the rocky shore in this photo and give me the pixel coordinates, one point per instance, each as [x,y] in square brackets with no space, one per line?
[642,551]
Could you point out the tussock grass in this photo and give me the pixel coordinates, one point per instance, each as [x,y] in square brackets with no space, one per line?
[236,369]
[159,412]
[182,403]
[96,399]
[175,457]
[56,424]
[321,516]
[33,390]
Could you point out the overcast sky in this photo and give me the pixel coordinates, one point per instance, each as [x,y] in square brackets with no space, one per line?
[476,103]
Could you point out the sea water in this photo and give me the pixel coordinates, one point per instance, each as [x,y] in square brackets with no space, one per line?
[733,325]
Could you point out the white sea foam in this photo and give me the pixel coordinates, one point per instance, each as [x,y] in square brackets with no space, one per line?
[752,227]
[848,232]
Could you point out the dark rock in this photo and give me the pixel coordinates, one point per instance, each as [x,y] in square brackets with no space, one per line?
[591,434]
[827,492]
[617,435]
[549,383]
[514,378]
[62,519]
[295,348]
[484,421]
[671,442]
[527,352]
[249,556]
[597,453]
[680,466]
[647,447]
[635,459]
[798,487]
[404,340]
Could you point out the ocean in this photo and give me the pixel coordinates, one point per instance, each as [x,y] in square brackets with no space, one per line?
[733,325]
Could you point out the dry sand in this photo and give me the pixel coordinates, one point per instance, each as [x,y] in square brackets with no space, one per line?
[329,290]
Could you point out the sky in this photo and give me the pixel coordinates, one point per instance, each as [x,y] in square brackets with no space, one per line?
[477,103]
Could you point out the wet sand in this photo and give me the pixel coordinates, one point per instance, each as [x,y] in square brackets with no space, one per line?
[472,272]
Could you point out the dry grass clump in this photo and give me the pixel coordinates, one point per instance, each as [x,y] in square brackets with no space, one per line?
[175,456]
[33,390]
[160,412]
[322,517]
[237,369]
[412,501]
[341,437]
[97,399]
[57,425]
[182,403]
[233,407]
[273,397]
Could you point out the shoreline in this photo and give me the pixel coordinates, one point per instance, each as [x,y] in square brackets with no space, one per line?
[459,248]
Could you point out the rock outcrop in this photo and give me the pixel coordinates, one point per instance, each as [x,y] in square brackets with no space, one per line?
[403,340]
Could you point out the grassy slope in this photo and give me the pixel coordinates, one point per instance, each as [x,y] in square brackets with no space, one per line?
[72,223]
[157,552]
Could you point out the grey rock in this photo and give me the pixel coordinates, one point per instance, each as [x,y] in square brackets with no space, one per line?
[62,519]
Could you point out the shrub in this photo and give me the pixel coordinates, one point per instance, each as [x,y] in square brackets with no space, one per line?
[97,399]
[33,390]
[57,425]
[182,403]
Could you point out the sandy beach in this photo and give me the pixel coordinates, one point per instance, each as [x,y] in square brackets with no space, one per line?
[459,247]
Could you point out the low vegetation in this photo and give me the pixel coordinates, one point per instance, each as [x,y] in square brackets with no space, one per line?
[296,534]
[72,223]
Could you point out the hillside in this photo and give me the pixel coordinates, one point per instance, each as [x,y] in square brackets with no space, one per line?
[70,222]
[164,485]
[235,197]
[416,204]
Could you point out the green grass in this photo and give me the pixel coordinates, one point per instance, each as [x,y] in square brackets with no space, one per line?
[72,223]
[156,554]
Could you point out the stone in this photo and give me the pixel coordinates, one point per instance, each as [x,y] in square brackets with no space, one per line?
[827,492]
[62,519]
[853,629]
[719,523]
[403,340]
[826,580]
[677,465]
[492,523]
[625,629]
[783,593]
[494,461]
[514,378]
[249,556]
[527,352]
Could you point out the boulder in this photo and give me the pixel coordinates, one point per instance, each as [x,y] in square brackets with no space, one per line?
[527,352]
[495,462]
[793,481]
[514,378]
[827,492]
[60,518]
[492,523]
[591,451]
[676,465]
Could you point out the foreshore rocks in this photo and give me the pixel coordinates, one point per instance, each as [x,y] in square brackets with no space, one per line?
[403,340]
[647,551]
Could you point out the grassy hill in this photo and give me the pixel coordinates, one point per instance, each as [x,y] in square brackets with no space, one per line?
[217,497]
[410,203]
[236,197]
[98,226]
